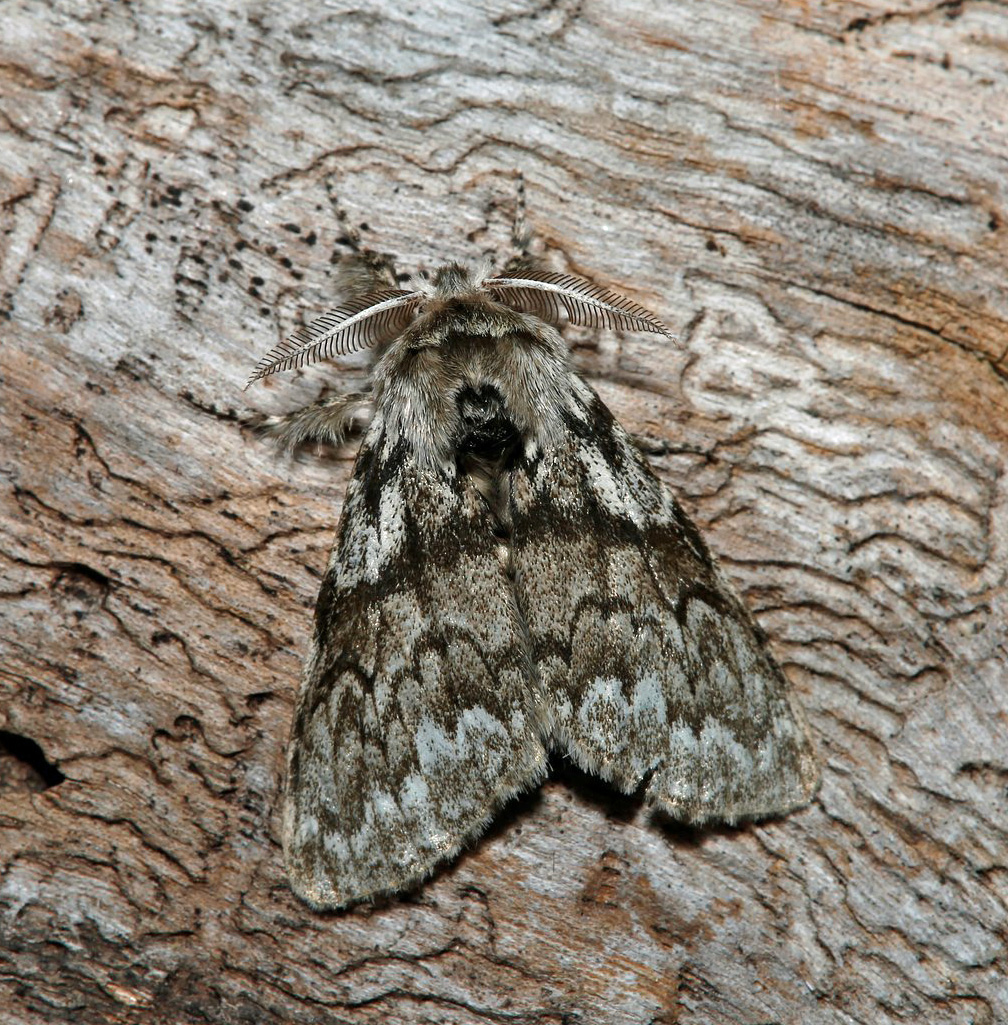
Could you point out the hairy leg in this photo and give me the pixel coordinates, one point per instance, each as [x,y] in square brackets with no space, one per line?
[328,421]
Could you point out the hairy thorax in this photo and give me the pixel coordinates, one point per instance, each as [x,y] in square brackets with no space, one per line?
[489,445]
[476,399]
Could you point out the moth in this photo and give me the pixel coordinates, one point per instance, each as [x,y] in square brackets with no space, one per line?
[509,579]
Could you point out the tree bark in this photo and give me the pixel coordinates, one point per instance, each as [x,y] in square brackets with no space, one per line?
[811,195]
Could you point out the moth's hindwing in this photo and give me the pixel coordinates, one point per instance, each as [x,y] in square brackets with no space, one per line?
[417,715]
[653,669]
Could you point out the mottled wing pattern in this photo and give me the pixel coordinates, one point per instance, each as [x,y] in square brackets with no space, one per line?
[417,716]
[655,672]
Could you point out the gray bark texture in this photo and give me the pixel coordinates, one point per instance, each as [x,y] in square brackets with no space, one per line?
[812,196]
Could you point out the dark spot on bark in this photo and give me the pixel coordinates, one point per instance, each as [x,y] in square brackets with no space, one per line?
[83,582]
[187,726]
[23,766]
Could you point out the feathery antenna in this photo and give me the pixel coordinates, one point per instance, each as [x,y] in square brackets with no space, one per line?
[549,295]
[356,324]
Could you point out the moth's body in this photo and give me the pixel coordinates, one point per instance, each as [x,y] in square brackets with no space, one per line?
[511,579]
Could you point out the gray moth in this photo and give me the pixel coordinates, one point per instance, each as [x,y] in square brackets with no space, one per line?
[509,579]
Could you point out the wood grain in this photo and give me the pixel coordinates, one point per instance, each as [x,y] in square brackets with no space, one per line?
[812,195]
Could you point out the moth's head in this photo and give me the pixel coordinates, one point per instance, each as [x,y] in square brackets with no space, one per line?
[453,279]
[377,317]
[455,301]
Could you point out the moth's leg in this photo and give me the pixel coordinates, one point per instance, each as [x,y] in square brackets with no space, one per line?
[521,231]
[520,255]
[362,269]
[328,421]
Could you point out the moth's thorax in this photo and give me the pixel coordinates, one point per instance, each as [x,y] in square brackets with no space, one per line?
[470,366]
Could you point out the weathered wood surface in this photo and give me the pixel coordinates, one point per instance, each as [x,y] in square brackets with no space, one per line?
[812,195]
